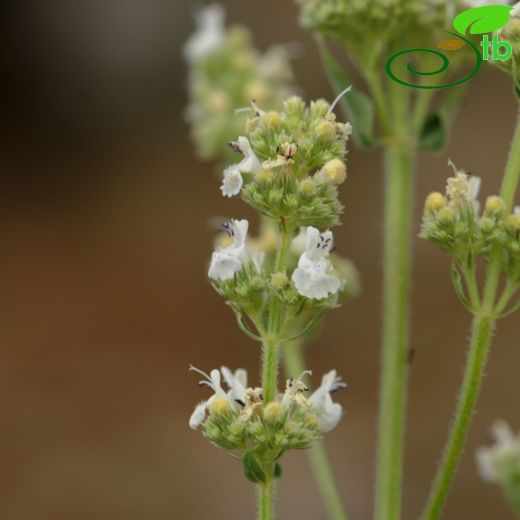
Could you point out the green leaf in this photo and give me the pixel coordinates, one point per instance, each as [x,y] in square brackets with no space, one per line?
[253,470]
[482,20]
[277,470]
[433,134]
[358,107]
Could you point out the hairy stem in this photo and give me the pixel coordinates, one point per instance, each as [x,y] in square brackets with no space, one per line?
[266,501]
[476,362]
[294,365]
[396,309]
[270,361]
[483,325]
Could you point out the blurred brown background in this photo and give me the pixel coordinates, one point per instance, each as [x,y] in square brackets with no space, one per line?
[104,299]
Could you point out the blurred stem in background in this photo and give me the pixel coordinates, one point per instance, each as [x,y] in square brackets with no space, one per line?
[293,359]
[489,310]
[399,152]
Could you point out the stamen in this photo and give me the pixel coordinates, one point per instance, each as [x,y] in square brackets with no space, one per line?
[450,163]
[338,97]
[193,369]
[305,372]
[243,109]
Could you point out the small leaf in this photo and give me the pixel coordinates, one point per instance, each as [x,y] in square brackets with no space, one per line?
[253,470]
[435,128]
[277,470]
[451,45]
[481,20]
[357,106]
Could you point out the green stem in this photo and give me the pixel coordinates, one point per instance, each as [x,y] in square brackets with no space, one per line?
[483,325]
[270,360]
[318,457]
[271,344]
[266,501]
[396,310]
[476,362]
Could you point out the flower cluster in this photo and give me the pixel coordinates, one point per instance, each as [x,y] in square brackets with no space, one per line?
[237,418]
[455,222]
[226,72]
[293,162]
[500,463]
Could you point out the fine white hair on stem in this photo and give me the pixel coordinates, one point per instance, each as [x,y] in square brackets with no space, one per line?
[338,97]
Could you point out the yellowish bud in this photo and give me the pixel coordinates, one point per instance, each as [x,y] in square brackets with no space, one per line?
[486,224]
[219,406]
[326,130]
[272,119]
[513,223]
[279,280]
[435,201]
[446,215]
[264,175]
[273,411]
[495,205]
[308,186]
[219,102]
[334,172]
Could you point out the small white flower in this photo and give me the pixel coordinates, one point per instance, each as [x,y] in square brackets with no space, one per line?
[463,188]
[494,462]
[209,33]
[328,412]
[294,389]
[482,3]
[211,381]
[516,210]
[226,262]
[237,383]
[232,182]
[312,277]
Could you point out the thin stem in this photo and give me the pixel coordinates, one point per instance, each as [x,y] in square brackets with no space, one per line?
[483,325]
[266,501]
[318,457]
[271,345]
[396,310]
[476,362]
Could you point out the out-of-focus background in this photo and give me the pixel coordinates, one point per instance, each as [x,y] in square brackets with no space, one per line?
[105,302]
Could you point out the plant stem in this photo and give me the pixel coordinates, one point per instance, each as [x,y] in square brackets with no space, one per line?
[396,309]
[476,362]
[266,501]
[271,346]
[318,457]
[483,326]
[270,360]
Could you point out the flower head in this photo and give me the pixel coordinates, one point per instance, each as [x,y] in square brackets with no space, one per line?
[462,189]
[226,262]
[328,412]
[209,34]
[313,278]
[211,381]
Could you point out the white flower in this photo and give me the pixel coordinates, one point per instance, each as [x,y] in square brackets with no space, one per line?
[226,262]
[232,182]
[463,188]
[209,33]
[516,210]
[328,412]
[237,383]
[211,381]
[312,277]
[294,389]
[494,462]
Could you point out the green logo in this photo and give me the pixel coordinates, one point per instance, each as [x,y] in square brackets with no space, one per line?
[481,20]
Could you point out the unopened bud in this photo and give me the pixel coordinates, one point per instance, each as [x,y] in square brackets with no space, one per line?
[495,205]
[273,411]
[272,119]
[435,201]
[219,406]
[334,172]
[326,130]
[308,186]
[279,280]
